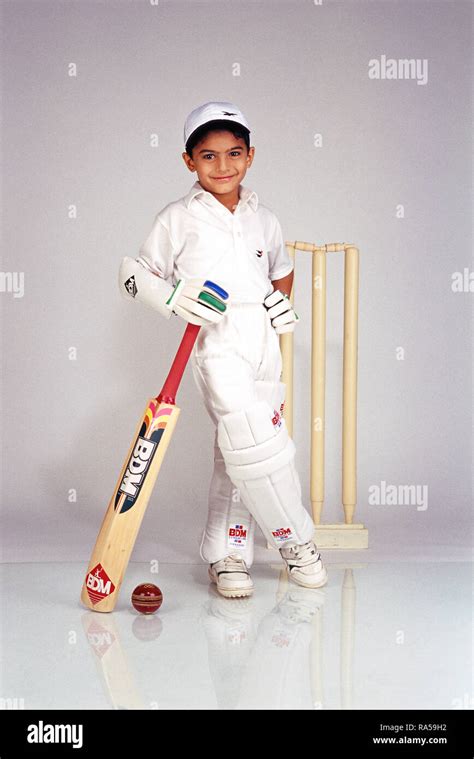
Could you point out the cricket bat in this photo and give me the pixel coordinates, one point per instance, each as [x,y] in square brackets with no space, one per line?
[128,504]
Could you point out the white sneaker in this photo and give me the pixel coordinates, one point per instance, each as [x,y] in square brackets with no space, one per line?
[231,577]
[304,565]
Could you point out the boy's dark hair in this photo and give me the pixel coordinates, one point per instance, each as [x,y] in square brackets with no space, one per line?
[214,126]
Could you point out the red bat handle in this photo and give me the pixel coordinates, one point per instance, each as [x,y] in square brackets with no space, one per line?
[172,382]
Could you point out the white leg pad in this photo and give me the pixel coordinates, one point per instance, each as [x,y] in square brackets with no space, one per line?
[230,528]
[259,458]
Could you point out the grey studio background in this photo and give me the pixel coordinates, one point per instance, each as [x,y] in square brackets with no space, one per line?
[83,179]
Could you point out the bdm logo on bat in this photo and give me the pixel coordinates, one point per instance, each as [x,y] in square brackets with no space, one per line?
[136,470]
[98,584]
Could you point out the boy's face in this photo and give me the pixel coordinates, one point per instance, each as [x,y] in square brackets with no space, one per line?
[221,161]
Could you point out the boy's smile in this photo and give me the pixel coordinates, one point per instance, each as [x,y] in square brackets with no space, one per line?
[221,162]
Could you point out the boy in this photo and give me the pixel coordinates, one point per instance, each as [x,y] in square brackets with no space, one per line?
[219,231]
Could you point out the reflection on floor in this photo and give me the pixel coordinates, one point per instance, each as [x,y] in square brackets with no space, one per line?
[389,636]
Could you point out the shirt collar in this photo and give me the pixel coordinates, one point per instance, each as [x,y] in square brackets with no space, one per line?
[246,195]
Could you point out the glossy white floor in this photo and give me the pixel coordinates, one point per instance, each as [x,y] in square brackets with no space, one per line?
[389,635]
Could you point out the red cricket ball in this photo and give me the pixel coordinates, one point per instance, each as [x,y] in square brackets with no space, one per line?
[147,598]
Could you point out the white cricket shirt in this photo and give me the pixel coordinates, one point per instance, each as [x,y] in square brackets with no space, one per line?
[198,237]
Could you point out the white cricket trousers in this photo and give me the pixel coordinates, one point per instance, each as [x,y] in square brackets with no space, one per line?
[235,363]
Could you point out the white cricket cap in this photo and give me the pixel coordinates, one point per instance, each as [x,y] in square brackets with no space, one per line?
[211,112]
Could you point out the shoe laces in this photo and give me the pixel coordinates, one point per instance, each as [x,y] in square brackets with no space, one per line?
[235,562]
[305,553]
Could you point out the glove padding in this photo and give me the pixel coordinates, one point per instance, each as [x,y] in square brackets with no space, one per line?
[198,301]
[201,302]
[281,312]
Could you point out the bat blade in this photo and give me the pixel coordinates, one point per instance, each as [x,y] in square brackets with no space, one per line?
[127,506]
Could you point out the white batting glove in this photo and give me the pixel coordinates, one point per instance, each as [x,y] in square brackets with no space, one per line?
[197,301]
[200,301]
[281,312]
